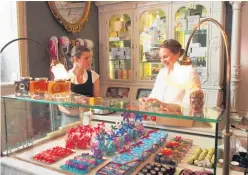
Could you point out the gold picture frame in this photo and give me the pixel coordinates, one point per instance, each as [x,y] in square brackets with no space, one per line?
[73,27]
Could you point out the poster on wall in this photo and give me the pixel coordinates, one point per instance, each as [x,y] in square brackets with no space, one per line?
[117,92]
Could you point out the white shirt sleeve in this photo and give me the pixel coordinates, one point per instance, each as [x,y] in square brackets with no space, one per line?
[159,85]
[95,76]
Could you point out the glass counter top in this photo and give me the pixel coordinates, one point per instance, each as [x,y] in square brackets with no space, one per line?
[209,114]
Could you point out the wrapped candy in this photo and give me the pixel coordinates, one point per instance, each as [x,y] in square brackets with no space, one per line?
[115,169]
[110,147]
[52,155]
[81,136]
[81,164]
[96,151]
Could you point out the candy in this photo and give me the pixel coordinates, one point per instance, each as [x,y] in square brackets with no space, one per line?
[81,164]
[52,155]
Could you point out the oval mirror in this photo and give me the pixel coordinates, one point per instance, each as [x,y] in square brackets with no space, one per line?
[70,14]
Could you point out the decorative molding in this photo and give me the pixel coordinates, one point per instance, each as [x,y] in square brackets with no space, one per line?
[235,72]
[235,55]
[150,3]
[22,33]
[237,5]
[73,27]
[214,44]
[101,3]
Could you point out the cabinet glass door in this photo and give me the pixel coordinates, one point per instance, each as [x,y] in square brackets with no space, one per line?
[186,18]
[119,38]
[152,32]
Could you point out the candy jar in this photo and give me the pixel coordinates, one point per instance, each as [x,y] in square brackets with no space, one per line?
[196,101]
[59,88]
[22,87]
[38,87]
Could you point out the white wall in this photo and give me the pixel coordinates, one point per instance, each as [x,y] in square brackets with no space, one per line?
[243,93]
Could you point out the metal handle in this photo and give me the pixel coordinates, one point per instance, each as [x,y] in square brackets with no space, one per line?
[186,61]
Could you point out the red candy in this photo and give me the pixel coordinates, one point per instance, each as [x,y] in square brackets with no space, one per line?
[80,137]
[52,155]
[145,117]
[166,152]
[153,118]
[172,144]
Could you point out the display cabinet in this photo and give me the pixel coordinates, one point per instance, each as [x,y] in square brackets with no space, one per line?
[120,46]
[151,23]
[33,126]
[153,30]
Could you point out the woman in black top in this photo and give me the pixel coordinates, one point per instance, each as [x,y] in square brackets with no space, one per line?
[83,81]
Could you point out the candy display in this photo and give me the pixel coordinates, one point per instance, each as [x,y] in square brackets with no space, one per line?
[174,151]
[202,158]
[81,164]
[196,101]
[190,172]
[38,87]
[80,137]
[52,155]
[22,87]
[59,88]
[114,169]
[140,150]
[157,169]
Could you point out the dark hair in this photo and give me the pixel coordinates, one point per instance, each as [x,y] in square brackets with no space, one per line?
[77,51]
[173,45]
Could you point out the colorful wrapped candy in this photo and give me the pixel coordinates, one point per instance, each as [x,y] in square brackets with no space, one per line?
[114,169]
[52,155]
[81,164]
[81,136]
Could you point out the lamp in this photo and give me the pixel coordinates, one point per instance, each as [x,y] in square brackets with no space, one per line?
[54,62]
[29,39]
[186,61]
[118,25]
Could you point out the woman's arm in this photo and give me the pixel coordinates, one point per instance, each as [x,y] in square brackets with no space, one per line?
[96,90]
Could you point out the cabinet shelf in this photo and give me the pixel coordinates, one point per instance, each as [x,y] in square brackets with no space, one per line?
[120,60]
[188,32]
[151,61]
[212,115]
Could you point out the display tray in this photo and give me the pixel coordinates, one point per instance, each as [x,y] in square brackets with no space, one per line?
[27,153]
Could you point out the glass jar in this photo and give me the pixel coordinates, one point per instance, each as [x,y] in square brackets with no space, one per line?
[39,87]
[59,88]
[22,87]
[196,101]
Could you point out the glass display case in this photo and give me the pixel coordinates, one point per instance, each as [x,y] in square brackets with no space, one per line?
[120,59]
[152,32]
[186,18]
[34,127]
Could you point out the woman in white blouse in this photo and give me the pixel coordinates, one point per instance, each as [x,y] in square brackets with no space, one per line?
[174,82]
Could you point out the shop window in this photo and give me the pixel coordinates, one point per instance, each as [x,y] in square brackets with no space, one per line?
[10,62]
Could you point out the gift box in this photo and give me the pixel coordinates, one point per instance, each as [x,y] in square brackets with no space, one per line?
[114,169]
[127,159]
[81,164]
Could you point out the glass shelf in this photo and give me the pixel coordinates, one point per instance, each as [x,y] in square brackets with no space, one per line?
[212,115]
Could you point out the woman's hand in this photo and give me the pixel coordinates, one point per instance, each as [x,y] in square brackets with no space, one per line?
[154,101]
[81,99]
